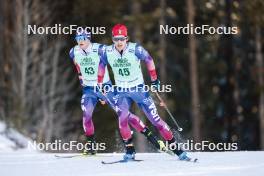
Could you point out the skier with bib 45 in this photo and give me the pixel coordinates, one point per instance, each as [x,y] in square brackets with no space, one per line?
[124,58]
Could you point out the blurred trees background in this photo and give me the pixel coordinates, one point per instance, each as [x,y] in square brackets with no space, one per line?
[217,80]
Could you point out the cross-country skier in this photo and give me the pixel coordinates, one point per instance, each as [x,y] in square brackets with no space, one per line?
[86,57]
[124,58]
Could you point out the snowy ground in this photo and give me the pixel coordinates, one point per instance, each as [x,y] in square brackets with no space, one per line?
[17,160]
[154,164]
[12,140]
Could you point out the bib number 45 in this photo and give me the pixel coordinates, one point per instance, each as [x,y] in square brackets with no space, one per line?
[124,72]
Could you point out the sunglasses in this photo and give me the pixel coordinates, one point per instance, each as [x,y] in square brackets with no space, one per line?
[116,39]
[81,38]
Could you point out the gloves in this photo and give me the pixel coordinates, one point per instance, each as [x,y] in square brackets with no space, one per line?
[103,89]
[102,101]
[155,84]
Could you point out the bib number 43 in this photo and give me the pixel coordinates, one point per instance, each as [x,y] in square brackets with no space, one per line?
[89,70]
[124,72]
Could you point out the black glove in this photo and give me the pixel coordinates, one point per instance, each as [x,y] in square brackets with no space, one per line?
[155,84]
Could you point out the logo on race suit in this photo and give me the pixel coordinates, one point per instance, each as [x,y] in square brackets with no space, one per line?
[117,109]
[115,106]
[140,49]
[115,98]
[131,50]
[82,103]
[122,62]
[148,100]
[83,108]
[109,50]
[87,61]
[154,112]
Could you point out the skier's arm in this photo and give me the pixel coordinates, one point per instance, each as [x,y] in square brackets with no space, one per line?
[102,66]
[142,54]
[101,72]
[79,72]
[151,68]
[76,66]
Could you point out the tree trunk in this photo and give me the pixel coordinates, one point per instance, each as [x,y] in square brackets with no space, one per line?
[195,100]
[228,91]
[163,44]
[162,56]
[259,58]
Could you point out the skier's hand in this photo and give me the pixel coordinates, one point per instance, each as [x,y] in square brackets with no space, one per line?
[102,102]
[102,99]
[101,91]
[104,88]
[155,84]
[162,104]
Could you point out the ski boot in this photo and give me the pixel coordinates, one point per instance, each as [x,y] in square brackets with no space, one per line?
[183,157]
[159,144]
[92,146]
[130,150]
[180,153]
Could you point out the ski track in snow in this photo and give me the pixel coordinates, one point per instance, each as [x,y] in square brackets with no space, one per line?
[154,164]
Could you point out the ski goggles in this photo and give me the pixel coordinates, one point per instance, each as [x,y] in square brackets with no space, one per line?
[81,38]
[116,39]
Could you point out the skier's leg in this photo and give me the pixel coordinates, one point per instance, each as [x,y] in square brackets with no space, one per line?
[123,106]
[126,133]
[88,104]
[133,120]
[146,103]
[150,110]
[136,123]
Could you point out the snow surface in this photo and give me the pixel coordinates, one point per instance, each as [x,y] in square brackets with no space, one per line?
[154,164]
[12,140]
[17,160]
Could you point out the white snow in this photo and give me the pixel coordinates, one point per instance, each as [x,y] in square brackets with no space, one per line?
[18,161]
[154,164]
[11,140]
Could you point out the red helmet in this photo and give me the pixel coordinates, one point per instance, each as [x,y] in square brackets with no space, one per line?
[119,30]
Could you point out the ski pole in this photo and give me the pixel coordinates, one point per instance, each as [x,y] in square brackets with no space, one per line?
[168,111]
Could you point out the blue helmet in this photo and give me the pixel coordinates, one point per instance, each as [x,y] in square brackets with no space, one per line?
[82,34]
